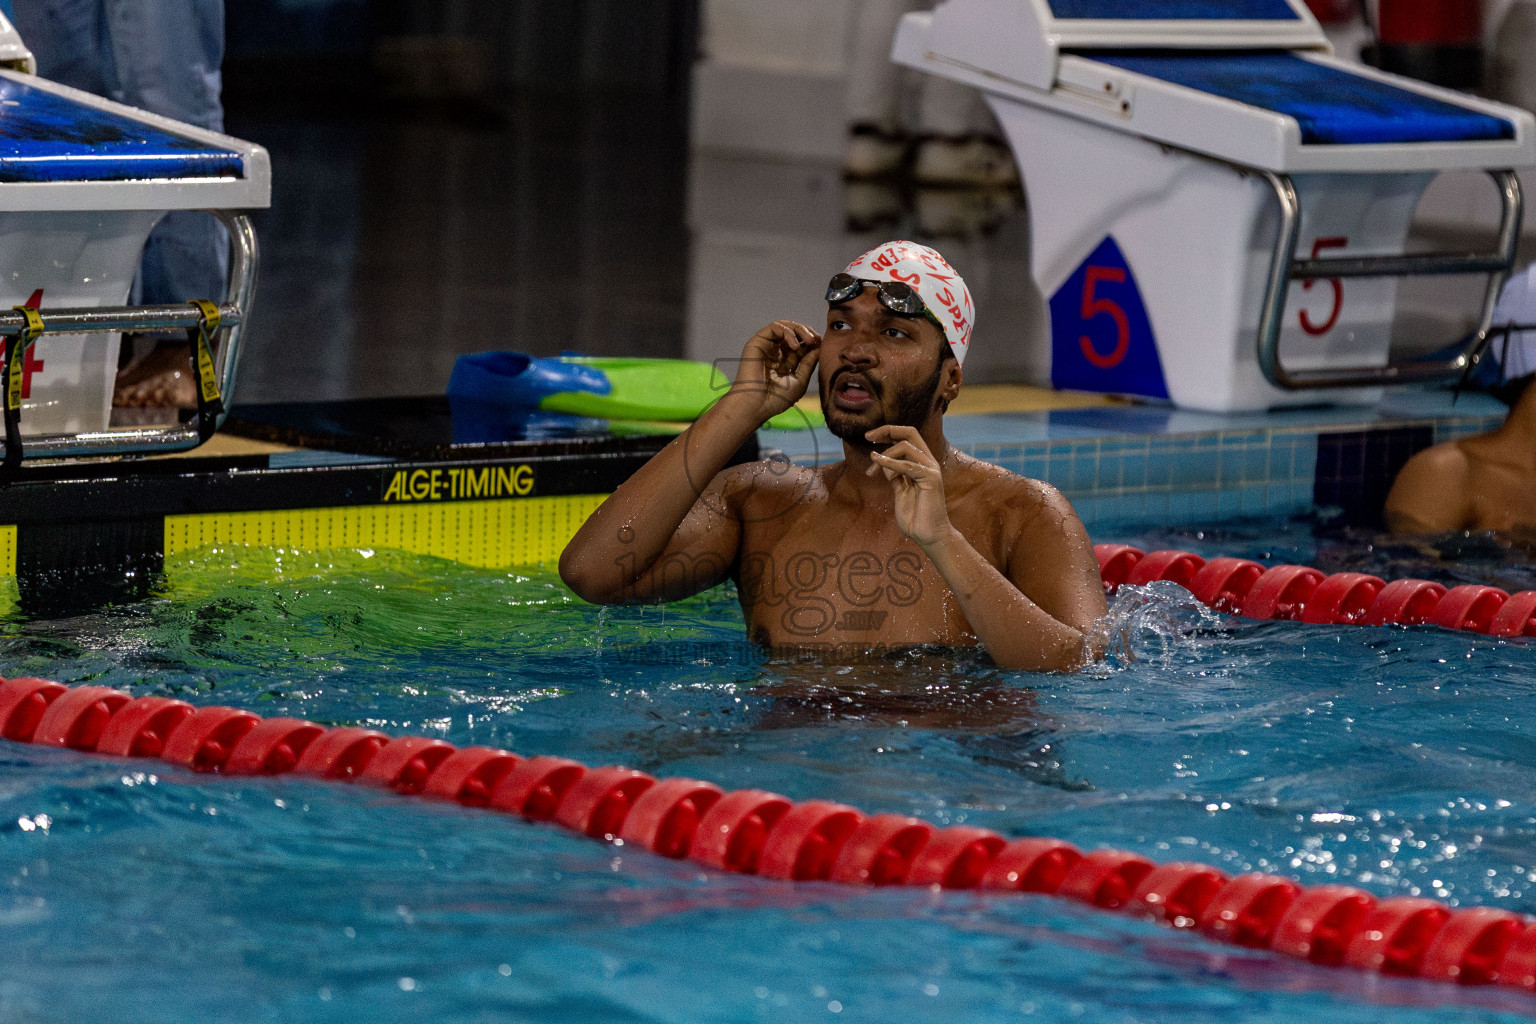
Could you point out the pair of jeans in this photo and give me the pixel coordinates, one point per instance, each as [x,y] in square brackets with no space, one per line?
[162,56]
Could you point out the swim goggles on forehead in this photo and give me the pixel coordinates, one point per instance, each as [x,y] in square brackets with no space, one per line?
[896,296]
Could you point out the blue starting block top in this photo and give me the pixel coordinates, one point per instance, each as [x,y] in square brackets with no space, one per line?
[1332,106]
[1175,10]
[47,137]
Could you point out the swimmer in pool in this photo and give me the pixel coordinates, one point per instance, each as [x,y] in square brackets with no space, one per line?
[905,542]
[1486,482]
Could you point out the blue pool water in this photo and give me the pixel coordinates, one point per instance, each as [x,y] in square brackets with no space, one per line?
[1399,760]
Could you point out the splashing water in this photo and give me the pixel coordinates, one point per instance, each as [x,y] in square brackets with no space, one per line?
[1154,623]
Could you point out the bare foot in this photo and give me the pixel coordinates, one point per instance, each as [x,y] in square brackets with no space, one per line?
[161,379]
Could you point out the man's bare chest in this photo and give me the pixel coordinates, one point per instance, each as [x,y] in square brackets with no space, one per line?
[831,580]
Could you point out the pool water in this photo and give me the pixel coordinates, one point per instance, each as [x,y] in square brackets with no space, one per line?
[1399,760]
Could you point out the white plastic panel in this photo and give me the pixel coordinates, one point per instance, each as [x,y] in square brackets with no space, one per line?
[1235,132]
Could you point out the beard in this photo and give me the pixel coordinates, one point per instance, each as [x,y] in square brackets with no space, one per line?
[913,406]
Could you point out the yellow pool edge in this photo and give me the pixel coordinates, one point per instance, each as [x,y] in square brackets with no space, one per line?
[496,534]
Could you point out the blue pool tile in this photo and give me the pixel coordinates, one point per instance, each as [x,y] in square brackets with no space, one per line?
[1159,469]
[1230,465]
[1195,469]
[1107,475]
[1203,506]
[1282,458]
[1256,464]
[1304,468]
[1119,510]
[1085,472]
[1133,471]
[1253,499]
[1229,504]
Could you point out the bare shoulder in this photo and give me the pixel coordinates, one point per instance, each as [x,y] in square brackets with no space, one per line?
[1041,544]
[766,481]
[1020,499]
[1430,493]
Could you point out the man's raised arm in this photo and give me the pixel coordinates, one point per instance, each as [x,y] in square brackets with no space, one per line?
[674,505]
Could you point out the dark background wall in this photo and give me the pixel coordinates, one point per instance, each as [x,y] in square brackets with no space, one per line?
[542,45]
[455,176]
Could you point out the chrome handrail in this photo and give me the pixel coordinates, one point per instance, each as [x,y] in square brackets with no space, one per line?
[1285,268]
[244,261]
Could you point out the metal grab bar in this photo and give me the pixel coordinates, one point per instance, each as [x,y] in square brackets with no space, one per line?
[1285,268]
[244,260]
[116,318]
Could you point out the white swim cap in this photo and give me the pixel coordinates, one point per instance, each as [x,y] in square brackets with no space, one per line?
[943,290]
[1517,305]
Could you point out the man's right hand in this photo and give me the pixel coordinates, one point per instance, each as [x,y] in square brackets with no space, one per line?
[776,367]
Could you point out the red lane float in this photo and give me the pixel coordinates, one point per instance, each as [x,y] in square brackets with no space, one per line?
[1518,968]
[1517,617]
[272,747]
[1281,593]
[341,754]
[751,831]
[804,844]
[140,727]
[1031,865]
[731,834]
[1105,878]
[469,774]
[881,850]
[22,705]
[1404,603]
[77,718]
[1168,566]
[1342,599]
[1115,563]
[405,764]
[597,804]
[1321,922]
[1471,946]
[1224,583]
[535,788]
[1395,935]
[205,738]
[1177,894]
[666,817]
[956,858]
[1248,908]
[1468,607]
[1238,586]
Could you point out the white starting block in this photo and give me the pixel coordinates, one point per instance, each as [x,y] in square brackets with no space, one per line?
[83,181]
[1219,208]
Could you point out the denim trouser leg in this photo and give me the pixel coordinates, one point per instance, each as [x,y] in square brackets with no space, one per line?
[162,56]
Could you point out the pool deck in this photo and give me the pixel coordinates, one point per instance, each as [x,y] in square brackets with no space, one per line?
[1128,465]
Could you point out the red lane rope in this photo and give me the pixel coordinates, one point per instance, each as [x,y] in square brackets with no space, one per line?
[1298,593]
[755,832]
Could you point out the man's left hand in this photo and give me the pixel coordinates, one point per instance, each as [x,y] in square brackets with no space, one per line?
[917,480]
